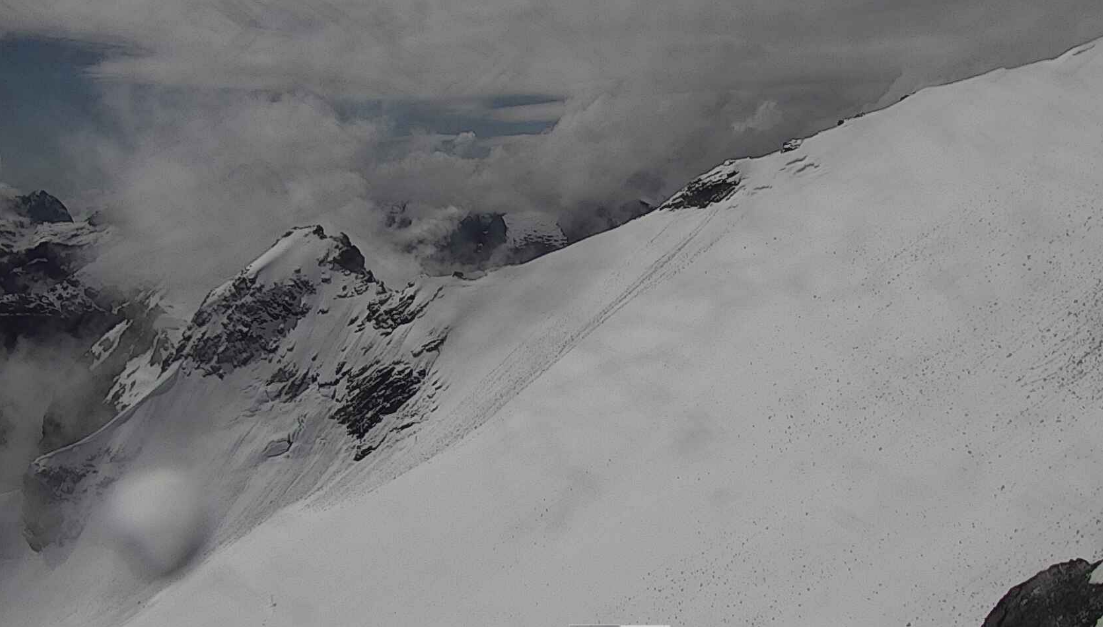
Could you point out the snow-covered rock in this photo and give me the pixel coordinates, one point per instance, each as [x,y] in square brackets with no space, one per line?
[306,327]
[1062,595]
[714,186]
[533,234]
[50,302]
[42,291]
[856,384]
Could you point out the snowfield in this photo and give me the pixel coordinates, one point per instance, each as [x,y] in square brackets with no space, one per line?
[860,385]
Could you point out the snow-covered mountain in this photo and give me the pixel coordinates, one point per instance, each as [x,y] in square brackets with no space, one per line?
[50,303]
[41,252]
[852,383]
[485,241]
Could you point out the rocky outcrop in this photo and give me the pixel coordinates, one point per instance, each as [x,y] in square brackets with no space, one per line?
[41,207]
[46,299]
[304,333]
[249,321]
[1063,595]
[41,292]
[347,257]
[712,187]
[375,392]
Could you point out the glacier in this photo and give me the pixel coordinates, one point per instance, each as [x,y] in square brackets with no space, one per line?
[856,382]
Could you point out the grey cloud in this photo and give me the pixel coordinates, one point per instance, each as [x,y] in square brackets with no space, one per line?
[232,120]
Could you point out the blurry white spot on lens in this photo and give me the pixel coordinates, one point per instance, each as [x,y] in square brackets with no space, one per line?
[159,519]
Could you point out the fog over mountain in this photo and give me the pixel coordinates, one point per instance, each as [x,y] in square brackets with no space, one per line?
[226,123]
[691,313]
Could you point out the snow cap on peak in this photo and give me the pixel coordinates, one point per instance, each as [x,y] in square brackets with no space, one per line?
[305,252]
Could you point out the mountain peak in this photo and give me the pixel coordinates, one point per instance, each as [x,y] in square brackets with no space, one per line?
[40,207]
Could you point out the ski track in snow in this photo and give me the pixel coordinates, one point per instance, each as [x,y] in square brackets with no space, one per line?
[870,411]
[673,250]
[529,360]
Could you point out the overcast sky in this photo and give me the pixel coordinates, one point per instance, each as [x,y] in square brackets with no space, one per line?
[209,120]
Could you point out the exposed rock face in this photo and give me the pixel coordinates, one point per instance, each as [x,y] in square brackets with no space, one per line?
[1060,596]
[304,333]
[375,392]
[712,187]
[66,308]
[348,257]
[41,207]
[391,310]
[46,299]
[248,322]
[41,293]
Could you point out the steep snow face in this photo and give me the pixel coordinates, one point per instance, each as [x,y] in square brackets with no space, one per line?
[303,333]
[855,383]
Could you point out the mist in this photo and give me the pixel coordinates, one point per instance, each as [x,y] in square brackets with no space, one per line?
[219,126]
[34,376]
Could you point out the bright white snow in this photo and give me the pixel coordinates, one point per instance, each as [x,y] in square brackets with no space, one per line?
[863,390]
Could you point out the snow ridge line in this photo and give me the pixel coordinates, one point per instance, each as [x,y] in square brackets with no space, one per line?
[521,367]
[476,413]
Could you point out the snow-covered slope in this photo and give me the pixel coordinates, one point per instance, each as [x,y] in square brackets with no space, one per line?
[856,383]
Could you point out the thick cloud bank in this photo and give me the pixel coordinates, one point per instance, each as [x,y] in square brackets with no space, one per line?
[221,124]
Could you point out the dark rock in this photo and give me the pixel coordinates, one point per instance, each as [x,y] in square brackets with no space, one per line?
[704,191]
[78,313]
[1060,596]
[393,310]
[350,258]
[42,297]
[375,392]
[432,345]
[294,382]
[41,207]
[251,322]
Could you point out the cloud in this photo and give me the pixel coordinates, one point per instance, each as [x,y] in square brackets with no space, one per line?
[202,183]
[766,116]
[229,122]
[438,49]
[32,377]
[539,112]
